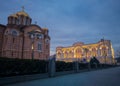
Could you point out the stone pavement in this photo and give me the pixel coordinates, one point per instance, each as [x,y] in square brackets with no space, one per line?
[105,77]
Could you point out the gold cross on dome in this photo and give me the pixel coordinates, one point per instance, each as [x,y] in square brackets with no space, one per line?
[23,8]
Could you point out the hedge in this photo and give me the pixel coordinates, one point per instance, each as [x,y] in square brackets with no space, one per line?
[11,67]
[64,66]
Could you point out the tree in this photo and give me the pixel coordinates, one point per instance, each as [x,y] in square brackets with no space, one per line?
[94,60]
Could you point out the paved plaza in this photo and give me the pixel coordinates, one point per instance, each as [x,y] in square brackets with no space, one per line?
[105,77]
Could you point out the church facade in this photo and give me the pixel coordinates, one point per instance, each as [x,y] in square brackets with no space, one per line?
[102,50]
[22,39]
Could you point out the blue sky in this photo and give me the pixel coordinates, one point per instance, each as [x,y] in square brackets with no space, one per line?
[70,21]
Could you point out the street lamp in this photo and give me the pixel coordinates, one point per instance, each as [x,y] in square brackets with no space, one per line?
[32,36]
[35,35]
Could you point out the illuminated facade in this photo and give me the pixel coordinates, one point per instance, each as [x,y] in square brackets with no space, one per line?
[102,50]
[23,40]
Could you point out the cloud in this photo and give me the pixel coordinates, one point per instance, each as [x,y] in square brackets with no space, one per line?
[70,21]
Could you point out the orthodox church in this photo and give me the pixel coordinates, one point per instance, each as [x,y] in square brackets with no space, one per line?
[22,39]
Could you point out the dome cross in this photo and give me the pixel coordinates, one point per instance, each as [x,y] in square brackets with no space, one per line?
[23,8]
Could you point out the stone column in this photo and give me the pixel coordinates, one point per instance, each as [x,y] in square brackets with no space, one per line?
[51,67]
[89,66]
[76,66]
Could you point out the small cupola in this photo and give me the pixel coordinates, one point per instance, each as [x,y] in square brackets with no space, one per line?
[45,31]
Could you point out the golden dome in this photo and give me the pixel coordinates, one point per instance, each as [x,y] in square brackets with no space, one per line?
[19,13]
[14,15]
[45,29]
[22,13]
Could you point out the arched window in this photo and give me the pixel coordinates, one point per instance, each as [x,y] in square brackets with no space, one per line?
[19,19]
[9,20]
[94,52]
[24,20]
[32,36]
[40,46]
[14,33]
[6,32]
[59,55]
[46,40]
[40,36]
[78,53]
[65,54]
[28,21]
[70,54]
[104,51]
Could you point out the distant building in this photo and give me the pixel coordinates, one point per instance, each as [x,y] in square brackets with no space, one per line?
[23,40]
[102,50]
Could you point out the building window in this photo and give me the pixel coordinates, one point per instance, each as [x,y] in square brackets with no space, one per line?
[24,20]
[6,33]
[40,36]
[14,33]
[47,41]
[32,36]
[39,46]
[19,20]
[13,21]
[13,40]
[28,21]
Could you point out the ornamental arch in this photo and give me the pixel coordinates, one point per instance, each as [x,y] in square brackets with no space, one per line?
[103,50]
[78,52]
[59,54]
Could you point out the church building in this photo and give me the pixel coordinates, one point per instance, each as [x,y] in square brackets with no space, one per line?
[102,50]
[22,39]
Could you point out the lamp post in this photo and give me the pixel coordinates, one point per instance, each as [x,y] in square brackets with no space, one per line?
[32,47]
[32,50]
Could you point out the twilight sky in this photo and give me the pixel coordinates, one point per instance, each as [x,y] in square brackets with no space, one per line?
[70,21]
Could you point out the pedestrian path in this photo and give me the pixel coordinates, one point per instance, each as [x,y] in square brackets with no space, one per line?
[106,77]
